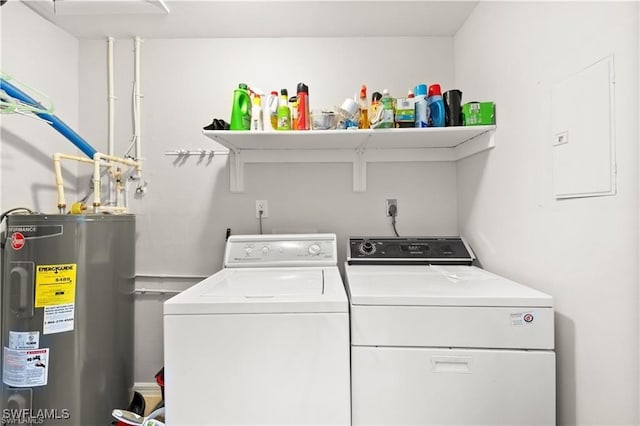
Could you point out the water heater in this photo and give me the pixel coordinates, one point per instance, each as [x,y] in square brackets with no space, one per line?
[67,295]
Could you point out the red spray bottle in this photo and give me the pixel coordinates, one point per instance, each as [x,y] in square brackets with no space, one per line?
[304,117]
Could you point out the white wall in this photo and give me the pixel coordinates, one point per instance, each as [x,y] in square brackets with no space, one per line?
[44,57]
[504,202]
[584,252]
[186,82]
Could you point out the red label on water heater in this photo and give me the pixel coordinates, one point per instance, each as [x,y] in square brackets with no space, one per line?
[17,240]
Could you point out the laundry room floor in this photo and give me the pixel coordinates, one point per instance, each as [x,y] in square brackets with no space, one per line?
[150,403]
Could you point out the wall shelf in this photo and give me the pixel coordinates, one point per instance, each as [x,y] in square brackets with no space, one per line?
[358,147]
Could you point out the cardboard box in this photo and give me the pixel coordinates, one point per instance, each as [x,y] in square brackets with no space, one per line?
[478,113]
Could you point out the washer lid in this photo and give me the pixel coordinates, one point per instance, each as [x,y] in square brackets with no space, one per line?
[263,290]
[269,283]
[437,286]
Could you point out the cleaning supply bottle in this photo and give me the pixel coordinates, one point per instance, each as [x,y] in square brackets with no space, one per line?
[422,109]
[388,116]
[293,108]
[266,116]
[375,104]
[303,118]
[241,110]
[436,106]
[363,122]
[284,113]
[351,122]
[256,114]
[272,108]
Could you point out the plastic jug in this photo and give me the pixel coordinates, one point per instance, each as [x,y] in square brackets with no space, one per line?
[436,106]
[241,110]
[284,113]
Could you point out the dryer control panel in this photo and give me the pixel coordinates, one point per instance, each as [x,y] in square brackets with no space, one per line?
[410,250]
[281,250]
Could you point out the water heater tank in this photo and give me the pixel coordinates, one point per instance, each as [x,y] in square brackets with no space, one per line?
[67,295]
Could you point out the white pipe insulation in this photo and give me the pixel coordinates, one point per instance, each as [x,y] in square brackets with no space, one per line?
[111,112]
[164,6]
[98,158]
[110,96]
[57,157]
[138,97]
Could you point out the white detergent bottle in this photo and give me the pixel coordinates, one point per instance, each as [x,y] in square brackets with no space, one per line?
[270,113]
[422,107]
[256,114]
[267,112]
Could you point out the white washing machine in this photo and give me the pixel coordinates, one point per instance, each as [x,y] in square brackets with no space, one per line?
[265,341]
[436,341]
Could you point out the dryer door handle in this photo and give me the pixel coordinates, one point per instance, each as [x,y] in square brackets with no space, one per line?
[451,364]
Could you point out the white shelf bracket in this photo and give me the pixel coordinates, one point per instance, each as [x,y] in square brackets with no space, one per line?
[359,171]
[236,171]
[482,142]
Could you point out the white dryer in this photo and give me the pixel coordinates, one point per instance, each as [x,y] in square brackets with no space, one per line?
[436,341]
[265,341]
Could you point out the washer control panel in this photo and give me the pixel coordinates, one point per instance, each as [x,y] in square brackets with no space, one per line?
[412,250]
[281,250]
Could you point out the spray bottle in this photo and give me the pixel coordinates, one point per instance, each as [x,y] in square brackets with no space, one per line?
[363,122]
[293,109]
[256,114]
[241,109]
[272,109]
[284,113]
[303,115]
[375,104]
[266,116]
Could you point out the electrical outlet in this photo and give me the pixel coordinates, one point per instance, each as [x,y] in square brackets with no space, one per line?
[262,205]
[391,202]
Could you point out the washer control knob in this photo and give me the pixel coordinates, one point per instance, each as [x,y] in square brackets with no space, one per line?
[248,250]
[447,250]
[314,249]
[265,250]
[367,248]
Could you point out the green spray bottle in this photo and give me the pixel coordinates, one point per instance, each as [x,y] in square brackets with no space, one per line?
[241,110]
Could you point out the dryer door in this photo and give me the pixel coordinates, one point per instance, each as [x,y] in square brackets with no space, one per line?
[434,386]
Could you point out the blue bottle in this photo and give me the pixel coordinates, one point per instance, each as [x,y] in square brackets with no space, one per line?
[436,106]
[422,109]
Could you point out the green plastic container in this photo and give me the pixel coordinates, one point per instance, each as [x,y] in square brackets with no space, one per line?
[388,116]
[478,113]
[241,110]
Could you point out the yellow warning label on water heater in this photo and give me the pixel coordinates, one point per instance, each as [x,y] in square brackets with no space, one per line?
[55,285]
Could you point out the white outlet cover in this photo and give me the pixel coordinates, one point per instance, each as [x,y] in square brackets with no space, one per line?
[265,209]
